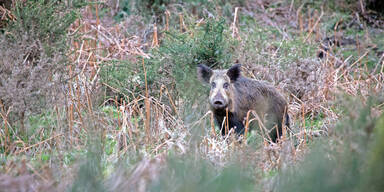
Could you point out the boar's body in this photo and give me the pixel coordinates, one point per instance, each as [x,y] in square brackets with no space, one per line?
[260,97]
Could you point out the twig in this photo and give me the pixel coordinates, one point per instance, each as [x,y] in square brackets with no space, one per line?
[37,144]
[155,41]
[235,30]
[314,26]
[357,61]
[147,104]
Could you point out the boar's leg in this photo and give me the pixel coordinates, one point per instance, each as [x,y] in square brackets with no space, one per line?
[233,121]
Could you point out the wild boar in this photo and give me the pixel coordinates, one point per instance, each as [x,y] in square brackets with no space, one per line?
[230,90]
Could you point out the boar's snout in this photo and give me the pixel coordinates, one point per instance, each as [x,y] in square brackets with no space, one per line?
[218,102]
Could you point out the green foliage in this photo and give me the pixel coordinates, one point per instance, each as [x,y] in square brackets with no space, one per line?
[90,174]
[145,8]
[120,78]
[46,21]
[267,46]
[210,48]
[374,174]
[196,174]
[173,64]
[125,10]
[334,167]
[156,7]
[33,51]
[318,172]
[38,127]
[180,53]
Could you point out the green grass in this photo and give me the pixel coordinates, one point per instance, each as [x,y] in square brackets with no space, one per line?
[189,173]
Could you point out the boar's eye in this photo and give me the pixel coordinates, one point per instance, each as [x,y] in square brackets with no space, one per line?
[226,85]
[213,85]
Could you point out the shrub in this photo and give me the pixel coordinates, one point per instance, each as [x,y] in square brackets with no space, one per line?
[174,63]
[180,53]
[32,52]
[189,173]
[346,162]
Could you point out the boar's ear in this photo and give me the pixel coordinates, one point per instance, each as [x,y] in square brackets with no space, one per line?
[204,73]
[234,72]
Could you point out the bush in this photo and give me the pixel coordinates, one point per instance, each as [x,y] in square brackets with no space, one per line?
[121,78]
[32,52]
[347,162]
[175,62]
[188,173]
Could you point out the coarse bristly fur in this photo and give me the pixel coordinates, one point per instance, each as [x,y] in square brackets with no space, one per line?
[230,90]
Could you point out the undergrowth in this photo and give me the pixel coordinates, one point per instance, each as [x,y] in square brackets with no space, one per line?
[130,114]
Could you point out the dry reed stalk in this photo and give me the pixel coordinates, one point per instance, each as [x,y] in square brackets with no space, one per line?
[37,144]
[95,47]
[70,111]
[136,110]
[118,113]
[85,43]
[303,122]
[46,180]
[147,105]
[213,132]
[291,5]
[157,117]
[226,121]
[335,31]
[167,15]
[299,15]
[181,22]
[246,126]
[277,131]
[358,46]
[317,28]
[311,131]
[362,7]
[283,127]
[91,43]
[183,28]
[261,127]
[81,119]
[70,123]
[353,64]
[235,30]
[6,14]
[171,100]
[201,119]
[313,27]
[75,43]
[310,20]
[301,23]
[58,120]
[124,128]
[382,67]
[78,107]
[2,142]
[10,167]
[155,41]
[4,116]
[89,101]
[161,92]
